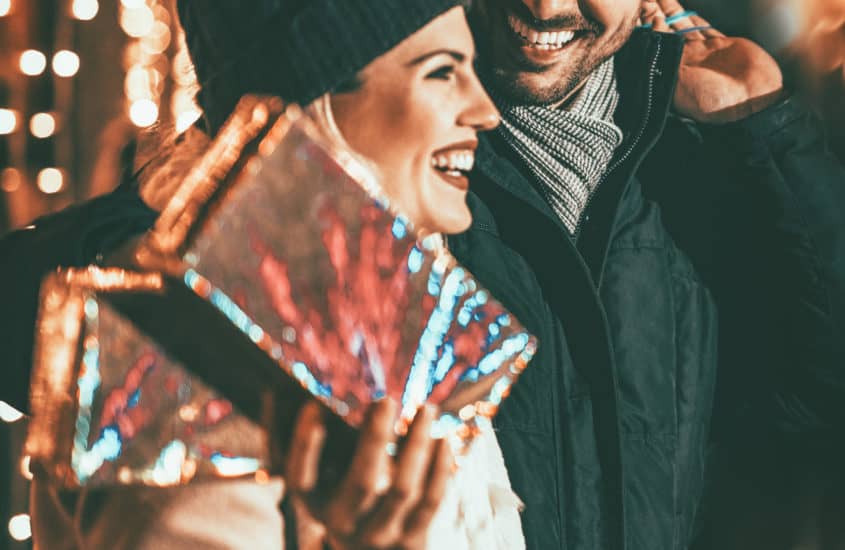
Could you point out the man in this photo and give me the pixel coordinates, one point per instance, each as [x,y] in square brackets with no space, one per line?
[641,185]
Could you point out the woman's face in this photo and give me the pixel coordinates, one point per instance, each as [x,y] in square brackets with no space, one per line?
[416,115]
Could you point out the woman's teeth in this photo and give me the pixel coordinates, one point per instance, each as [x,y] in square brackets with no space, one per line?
[540,40]
[455,163]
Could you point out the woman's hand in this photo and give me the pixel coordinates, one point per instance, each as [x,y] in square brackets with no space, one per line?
[384,502]
[722,78]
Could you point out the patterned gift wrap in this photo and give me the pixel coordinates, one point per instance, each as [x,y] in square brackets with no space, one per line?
[297,246]
[110,407]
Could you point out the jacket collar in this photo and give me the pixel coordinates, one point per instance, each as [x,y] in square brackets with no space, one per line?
[647,69]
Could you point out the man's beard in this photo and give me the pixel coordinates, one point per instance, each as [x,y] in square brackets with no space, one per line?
[513,82]
[513,89]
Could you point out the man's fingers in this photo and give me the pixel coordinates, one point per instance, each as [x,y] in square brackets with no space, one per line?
[370,468]
[385,525]
[670,7]
[303,461]
[442,466]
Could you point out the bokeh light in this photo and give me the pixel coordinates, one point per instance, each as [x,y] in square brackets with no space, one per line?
[11,180]
[5,7]
[42,125]
[8,413]
[26,472]
[85,10]
[132,4]
[20,527]
[157,40]
[143,113]
[8,121]
[51,180]
[137,22]
[65,63]
[186,119]
[33,62]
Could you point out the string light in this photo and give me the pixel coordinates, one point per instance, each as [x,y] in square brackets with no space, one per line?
[42,125]
[65,63]
[85,10]
[26,472]
[8,413]
[20,527]
[143,113]
[10,181]
[51,180]
[186,119]
[33,62]
[184,106]
[5,7]
[147,67]
[137,22]
[8,121]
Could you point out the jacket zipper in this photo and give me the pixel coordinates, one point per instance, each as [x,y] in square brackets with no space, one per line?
[649,106]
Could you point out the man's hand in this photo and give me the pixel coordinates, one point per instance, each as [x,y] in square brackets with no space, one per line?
[722,79]
[383,502]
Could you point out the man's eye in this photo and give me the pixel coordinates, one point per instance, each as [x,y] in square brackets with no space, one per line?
[443,73]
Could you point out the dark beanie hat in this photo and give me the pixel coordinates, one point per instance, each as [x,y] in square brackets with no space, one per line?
[295,49]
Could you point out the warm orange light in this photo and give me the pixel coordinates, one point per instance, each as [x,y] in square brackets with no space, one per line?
[11,180]
[8,121]
[20,527]
[25,471]
[186,119]
[8,413]
[85,10]
[143,113]
[51,180]
[42,125]
[65,63]
[137,22]
[33,62]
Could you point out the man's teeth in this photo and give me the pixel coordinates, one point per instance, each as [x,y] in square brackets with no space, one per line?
[540,40]
[454,162]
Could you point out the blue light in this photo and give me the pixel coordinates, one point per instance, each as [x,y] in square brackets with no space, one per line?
[134,399]
[445,364]
[400,230]
[415,260]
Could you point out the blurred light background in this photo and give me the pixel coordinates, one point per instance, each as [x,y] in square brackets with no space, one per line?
[80,78]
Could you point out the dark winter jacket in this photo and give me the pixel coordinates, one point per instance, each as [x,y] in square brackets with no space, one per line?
[605,435]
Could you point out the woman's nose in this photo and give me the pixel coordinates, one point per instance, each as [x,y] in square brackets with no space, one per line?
[481,114]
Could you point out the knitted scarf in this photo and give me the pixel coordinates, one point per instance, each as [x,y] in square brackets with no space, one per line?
[568,150]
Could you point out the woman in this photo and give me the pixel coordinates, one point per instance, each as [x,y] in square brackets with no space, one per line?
[395,81]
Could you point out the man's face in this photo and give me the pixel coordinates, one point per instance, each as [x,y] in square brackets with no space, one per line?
[540,51]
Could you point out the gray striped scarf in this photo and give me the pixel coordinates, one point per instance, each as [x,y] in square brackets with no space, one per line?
[568,151]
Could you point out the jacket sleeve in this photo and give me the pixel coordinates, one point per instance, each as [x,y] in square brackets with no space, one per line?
[72,238]
[780,265]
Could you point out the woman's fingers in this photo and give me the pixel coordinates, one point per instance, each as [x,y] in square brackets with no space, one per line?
[386,525]
[366,478]
[302,469]
[442,465]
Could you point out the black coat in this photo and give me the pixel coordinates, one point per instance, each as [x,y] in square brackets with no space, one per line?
[606,437]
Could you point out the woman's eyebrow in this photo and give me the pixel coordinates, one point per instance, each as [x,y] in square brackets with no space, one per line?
[456,55]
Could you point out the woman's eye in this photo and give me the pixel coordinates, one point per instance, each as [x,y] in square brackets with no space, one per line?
[443,73]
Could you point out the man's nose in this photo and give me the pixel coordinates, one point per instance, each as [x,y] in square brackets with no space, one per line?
[549,9]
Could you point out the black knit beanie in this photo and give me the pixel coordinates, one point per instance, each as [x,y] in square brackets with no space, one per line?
[295,49]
